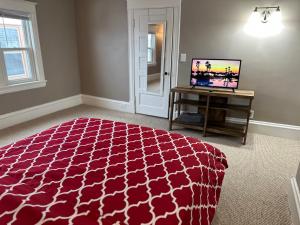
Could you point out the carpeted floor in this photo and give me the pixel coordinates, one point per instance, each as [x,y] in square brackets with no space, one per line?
[256,183]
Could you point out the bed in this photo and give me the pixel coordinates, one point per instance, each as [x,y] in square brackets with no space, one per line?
[91,171]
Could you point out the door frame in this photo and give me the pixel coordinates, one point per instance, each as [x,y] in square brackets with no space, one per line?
[142,4]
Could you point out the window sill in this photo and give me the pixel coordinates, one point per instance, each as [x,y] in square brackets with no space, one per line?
[152,64]
[22,87]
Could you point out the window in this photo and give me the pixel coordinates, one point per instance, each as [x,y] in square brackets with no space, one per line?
[21,65]
[151,54]
[15,49]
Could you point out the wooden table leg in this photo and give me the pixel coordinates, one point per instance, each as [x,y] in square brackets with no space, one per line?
[172,110]
[206,116]
[247,124]
[179,105]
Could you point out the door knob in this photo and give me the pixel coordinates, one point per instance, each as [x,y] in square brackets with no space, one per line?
[167,74]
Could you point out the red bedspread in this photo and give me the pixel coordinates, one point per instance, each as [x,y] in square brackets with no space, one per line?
[92,171]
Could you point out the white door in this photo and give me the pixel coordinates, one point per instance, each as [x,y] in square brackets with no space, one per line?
[153,32]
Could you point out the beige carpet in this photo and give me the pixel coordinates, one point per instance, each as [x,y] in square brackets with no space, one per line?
[256,183]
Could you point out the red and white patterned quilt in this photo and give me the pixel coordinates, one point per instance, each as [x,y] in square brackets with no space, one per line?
[92,171]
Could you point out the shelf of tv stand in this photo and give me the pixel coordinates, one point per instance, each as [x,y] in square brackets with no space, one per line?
[232,129]
[202,104]
[213,103]
[216,92]
[191,102]
[189,125]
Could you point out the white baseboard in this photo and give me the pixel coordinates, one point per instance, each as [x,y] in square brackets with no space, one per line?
[269,128]
[108,103]
[21,116]
[14,118]
[294,201]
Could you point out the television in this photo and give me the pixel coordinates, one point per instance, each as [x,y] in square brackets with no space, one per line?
[215,73]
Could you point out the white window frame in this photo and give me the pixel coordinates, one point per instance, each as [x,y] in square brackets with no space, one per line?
[153,49]
[38,76]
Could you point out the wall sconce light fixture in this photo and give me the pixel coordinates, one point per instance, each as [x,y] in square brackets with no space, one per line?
[264,22]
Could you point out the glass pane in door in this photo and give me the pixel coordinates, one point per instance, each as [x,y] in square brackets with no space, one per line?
[154,57]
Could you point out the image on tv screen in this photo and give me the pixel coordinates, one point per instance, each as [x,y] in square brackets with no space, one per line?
[215,73]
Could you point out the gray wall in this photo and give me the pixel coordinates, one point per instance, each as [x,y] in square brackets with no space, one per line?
[56,22]
[270,66]
[103,48]
[208,29]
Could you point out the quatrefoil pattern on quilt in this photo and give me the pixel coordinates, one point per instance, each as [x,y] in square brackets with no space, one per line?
[92,171]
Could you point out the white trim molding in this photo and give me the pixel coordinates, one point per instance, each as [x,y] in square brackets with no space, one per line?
[37,79]
[24,115]
[294,201]
[108,103]
[277,125]
[18,5]
[269,128]
[143,4]
[22,86]
[21,116]
[131,57]
[14,118]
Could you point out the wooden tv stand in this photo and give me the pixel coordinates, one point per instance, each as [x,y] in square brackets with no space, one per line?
[214,105]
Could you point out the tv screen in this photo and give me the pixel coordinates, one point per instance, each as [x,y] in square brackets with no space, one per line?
[215,73]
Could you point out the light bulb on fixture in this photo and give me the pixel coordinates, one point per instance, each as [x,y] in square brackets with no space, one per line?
[264,22]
